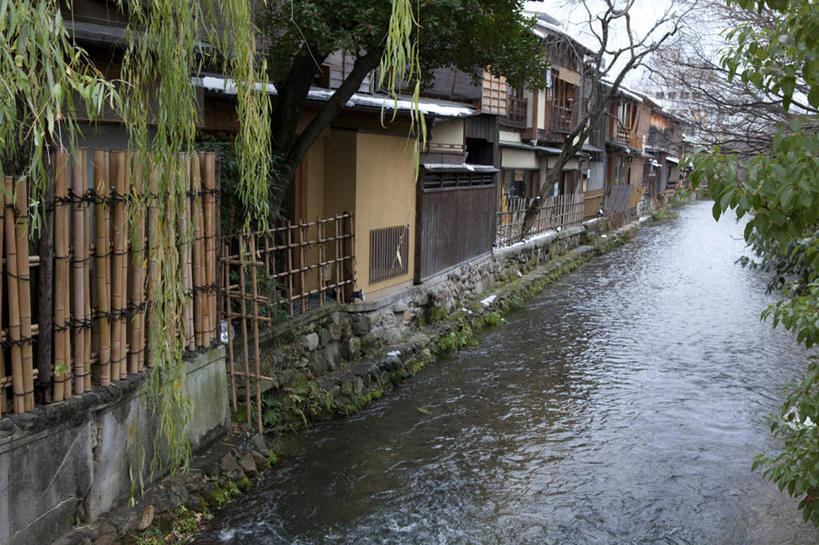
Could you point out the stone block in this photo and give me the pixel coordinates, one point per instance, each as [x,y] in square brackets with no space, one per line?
[334,331]
[353,347]
[361,324]
[331,356]
[311,342]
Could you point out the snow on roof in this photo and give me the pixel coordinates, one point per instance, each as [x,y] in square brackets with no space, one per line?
[671,159]
[427,106]
[622,89]
[546,24]
[458,167]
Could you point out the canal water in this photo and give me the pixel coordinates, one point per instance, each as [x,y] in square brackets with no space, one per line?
[622,406]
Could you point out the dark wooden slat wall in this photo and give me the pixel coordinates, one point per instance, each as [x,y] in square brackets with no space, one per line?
[455,225]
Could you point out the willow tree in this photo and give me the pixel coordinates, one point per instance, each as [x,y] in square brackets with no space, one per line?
[467,34]
[43,71]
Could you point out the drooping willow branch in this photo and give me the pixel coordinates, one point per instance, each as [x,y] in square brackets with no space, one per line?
[160,112]
[41,71]
[401,62]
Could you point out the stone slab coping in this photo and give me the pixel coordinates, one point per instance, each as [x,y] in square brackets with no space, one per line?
[75,410]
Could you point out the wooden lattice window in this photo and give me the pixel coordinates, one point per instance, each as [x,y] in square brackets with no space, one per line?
[389,252]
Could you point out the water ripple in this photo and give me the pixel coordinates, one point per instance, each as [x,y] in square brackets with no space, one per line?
[624,405]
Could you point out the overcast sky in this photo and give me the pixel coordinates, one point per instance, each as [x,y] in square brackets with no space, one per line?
[575,20]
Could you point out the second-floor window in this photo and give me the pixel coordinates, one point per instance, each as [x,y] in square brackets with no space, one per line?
[626,114]
[563,103]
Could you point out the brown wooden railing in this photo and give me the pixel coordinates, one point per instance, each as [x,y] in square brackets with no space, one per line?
[560,211]
[561,118]
[87,324]
[516,111]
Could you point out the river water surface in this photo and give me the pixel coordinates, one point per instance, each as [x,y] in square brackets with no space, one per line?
[623,406]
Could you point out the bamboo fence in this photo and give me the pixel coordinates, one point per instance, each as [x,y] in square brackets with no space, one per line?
[90,326]
[273,274]
[559,211]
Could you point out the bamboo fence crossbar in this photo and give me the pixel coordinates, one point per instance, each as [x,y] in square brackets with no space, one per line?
[560,211]
[97,319]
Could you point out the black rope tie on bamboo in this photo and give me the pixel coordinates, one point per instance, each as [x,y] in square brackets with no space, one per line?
[135,352]
[23,393]
[67,375]
[20,277]
[8,343]
[203,192]
[74,324]
[120,360]
[10,206]
[124,313]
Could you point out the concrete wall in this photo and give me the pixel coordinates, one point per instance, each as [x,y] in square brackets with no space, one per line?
[384,197]
[77,459]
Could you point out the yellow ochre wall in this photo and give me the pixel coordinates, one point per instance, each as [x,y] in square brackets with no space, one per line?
[384,197]
[339,172]
[315,180]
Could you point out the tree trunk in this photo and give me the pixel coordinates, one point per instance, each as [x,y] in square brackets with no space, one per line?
[289,148]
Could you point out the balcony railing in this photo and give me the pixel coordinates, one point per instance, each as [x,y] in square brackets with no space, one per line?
[622,135]
[516,111]
[561,118]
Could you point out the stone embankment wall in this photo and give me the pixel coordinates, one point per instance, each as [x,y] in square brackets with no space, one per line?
[74,460]
[349,349]
[348,355]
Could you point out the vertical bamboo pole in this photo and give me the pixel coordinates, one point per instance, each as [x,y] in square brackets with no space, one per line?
[229,321]
[18,388]
[101,251]
[243,299]
[349,256]
[118,229]
[153,267]
[185,254]
[201,319]
[217,239]
[122,237]
[109,250]
[82,189]
[288,229]
[267,268]
[302,266]
[62,344]
[254,282]
[320,236]
[24,287]
[338,267]
[211,227]
[136,290]
[77,270]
